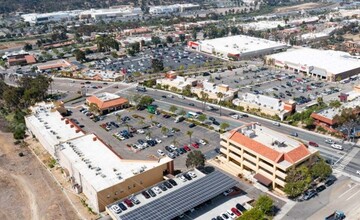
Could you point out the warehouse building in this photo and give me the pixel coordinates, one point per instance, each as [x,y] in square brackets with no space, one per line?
[263,155]
[90,165]
[108,13]
[237,47]
[321,64]
[35,18]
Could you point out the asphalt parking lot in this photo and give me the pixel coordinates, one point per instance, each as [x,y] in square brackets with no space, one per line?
[280,84]
[141,120]
[172,57]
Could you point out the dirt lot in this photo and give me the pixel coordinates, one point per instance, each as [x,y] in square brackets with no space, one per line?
[299,7]
[27,189]
[11,44]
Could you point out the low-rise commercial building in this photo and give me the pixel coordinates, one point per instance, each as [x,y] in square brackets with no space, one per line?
[213,90]
[35,18]
[237,47]
[21,59]
[178,82]
[91,166]
[258,152]
[110,13]
[321,64]
[107,102]
[266,104]
[176,8]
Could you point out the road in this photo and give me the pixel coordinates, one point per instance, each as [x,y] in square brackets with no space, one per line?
[351,165]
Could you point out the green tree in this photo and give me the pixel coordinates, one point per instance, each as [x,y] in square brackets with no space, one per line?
[164,130]
[182,37]
[157,65]
[224,126]
[321,169]
[202,117]
[145,100]
[27,47]
[79,55]
[252,214]
[93,107]
[297,181]
[173,108]
[151,117]
[335,104]
[169,40]
[182,112]
[155,40]
[189,133]
[195,159]
[265,204]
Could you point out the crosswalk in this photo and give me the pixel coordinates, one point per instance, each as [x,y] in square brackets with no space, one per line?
[344,161]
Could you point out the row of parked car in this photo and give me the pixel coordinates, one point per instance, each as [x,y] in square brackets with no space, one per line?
[233,213]
[132,201]
[173,151]
[314,191]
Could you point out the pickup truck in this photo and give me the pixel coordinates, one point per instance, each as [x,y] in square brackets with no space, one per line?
[337,215]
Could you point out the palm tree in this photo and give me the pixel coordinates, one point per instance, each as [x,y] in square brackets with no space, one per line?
[151,116]
[148,133]
[128,127]
[189,133]
[141,122]
[220,95]
[118,117]
[164,130]
[174,141]
[204,97]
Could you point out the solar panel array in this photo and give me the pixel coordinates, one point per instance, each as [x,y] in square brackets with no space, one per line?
[183,199]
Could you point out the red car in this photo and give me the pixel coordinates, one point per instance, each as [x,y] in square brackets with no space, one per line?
[196,145]
[187,148]
[236,211]
[128,203]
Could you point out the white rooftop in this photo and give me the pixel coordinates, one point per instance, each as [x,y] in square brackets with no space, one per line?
[332,61]
[263,101]
[330,113]
[241,44]
[49,124]
[100,166]
[106,96]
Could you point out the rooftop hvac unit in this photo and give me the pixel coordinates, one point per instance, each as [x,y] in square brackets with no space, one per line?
[98,169]
[119,177]
[68,142]
[97,173]
[58,137]
[103,175]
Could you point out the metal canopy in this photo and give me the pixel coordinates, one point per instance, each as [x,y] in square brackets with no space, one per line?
[183,199]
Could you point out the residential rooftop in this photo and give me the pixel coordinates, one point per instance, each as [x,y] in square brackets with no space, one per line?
[278,147]
[330,113]
[335,62]
[99,165]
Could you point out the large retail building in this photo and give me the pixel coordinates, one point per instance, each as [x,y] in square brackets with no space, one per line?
[323,64]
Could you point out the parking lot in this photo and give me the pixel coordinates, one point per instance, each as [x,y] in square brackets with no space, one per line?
[281,84]
[172,57]
[128,136]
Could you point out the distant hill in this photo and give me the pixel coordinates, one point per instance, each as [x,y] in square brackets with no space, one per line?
[27,6]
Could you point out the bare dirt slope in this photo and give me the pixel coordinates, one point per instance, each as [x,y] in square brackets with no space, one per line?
[299,7]
[27,191]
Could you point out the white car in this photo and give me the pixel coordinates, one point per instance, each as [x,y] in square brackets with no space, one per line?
[192,174]
[183,178]
[148,138]
[235,116]
[160,152]
[140,131]
[172,147]
[157,190]
[227,192]
[202,142]
[116,209]
[329,141]
[276,123]
[158,140]
[231,214]
[337,146]
[358,172]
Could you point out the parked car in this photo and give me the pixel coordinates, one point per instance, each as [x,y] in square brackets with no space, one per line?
[172,182]
[224,216]
[276,123]
[168,185]
[195,145]
[128,202]
[202,142]
[168,149]
[309,194]
[240,207]
[182,178]
[156,189]
[187,176]
[151,193]
[236,211]
[329,182]
[294,134]
[236,116]
[122,206]
[192,125]
[192,174]
[160,152]
[172,147]
[231,214]
[116,209]
[162,187]
[145,194]
[311,143]
[227,192]
[320,188]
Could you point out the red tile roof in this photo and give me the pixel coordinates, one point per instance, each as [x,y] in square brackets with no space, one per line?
[292,156]
[102,105]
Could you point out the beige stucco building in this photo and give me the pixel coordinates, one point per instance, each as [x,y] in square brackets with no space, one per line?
[262,154]
[89,164]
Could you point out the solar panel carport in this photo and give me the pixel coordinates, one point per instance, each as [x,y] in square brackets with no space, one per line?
[182,199]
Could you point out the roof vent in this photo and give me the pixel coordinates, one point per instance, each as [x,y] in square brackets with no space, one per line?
[94,138]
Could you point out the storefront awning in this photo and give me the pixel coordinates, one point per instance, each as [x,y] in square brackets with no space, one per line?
[262,179]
